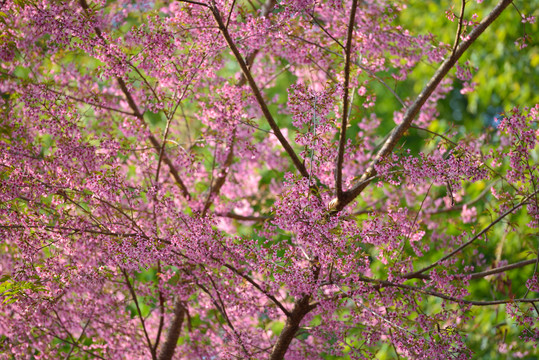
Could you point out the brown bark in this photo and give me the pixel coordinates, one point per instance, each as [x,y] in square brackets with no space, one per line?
[173,332]
[301,308]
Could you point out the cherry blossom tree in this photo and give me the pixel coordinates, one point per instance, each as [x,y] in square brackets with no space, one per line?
[211,180]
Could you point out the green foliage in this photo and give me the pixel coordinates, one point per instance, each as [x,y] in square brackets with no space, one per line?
[11,290]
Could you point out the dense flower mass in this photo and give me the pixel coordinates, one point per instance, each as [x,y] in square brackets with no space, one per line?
[221,179]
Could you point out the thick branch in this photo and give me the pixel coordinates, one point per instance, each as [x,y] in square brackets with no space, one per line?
[258,95]
[232,215]
[173,332]
[416,106]
[138,115]
[342,139]
[157,146]
[301,308]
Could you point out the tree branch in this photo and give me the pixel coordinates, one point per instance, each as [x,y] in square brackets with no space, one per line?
[134,296]
[173,332]
[157,146]
[481,233]
[416,106]
[255,284]
[301,308]
[77,346]
[161,310]
[221,177]
[258,95]
[324,29]
[482,274]
[162,150]
[457,300]
[384,283]
[342,139]
[138,115]
[64,228]
[234,216]
[459,28]
[68,355]
[194,3]
[358,64]
[469,203]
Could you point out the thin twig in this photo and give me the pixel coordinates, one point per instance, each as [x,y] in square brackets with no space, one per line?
[358,64]
[477,236]
[162,150]
[314,137]
[469,203]
[256,285]
[161,310]
[194,3]
[230,13]
[77,346]
[384,283]
[139,312]
[452,298]
[324,30]
[360,305]
[68,355]
[482,274]
[434,133]
[415,220]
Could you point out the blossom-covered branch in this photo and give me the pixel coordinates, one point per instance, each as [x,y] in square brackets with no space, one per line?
[414,108]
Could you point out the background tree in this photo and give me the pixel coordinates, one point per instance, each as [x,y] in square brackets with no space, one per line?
[291,179]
